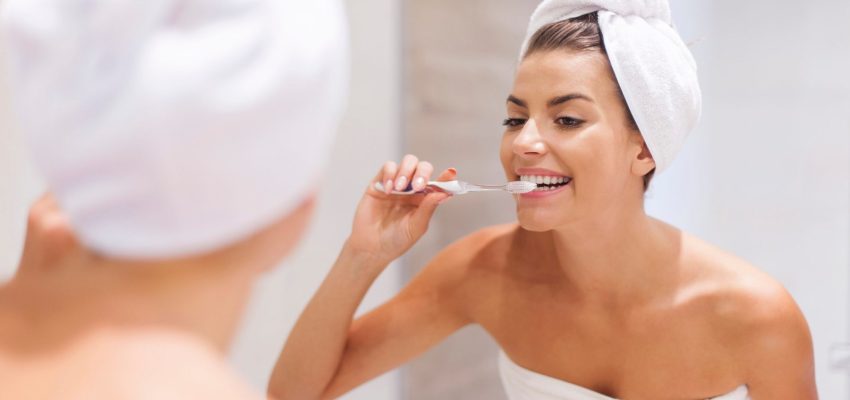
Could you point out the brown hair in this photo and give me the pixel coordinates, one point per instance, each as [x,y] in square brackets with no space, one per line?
[579,34]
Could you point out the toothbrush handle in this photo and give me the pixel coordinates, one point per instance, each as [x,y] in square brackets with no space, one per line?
[380,187]
[453,187]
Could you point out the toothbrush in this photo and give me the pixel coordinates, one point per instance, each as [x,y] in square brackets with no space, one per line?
[461,187]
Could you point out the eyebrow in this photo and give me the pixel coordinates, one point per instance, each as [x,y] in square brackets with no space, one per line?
[563,99]
[553,102]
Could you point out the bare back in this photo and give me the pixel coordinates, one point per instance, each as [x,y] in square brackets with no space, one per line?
[67,350]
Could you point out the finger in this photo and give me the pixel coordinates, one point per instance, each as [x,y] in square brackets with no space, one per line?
[388,173]
[405,171]
[379,178]
[422,175]
[448,175]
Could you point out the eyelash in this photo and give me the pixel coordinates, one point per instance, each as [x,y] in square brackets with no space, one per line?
[567,122]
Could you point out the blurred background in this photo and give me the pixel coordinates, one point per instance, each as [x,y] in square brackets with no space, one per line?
[766,175]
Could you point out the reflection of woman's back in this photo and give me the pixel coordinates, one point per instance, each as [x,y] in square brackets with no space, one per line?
[587,296]
[168,132]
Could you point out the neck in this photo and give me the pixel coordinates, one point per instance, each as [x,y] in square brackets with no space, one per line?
[203,298]
[623,257]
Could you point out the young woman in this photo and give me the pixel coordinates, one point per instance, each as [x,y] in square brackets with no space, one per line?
[587,296]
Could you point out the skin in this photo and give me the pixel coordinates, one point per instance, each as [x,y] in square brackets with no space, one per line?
[585,287]
[75,324]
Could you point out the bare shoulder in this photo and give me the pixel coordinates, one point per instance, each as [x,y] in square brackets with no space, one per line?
[750,309]
[138,364]
[462,262]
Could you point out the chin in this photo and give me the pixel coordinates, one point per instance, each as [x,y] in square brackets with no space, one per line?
[535,222]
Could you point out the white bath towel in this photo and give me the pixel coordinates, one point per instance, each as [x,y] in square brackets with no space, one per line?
[524,384]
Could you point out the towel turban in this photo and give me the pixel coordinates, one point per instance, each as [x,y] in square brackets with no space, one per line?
[168,128]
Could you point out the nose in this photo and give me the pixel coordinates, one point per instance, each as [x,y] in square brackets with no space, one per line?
[528,143]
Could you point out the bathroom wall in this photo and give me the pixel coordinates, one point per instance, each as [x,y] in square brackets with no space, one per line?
[19,184]
[766,175]
[459,63]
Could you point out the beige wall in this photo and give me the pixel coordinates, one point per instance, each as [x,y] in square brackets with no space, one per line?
[460,58]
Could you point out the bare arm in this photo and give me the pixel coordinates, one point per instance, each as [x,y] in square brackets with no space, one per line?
[423,314]
[327,353]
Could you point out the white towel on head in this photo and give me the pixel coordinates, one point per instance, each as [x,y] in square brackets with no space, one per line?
[653,66]
[168,128]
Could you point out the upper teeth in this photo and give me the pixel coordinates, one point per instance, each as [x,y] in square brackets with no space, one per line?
[544,180]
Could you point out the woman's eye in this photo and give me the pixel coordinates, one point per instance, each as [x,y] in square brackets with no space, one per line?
[568,121]
[513,122]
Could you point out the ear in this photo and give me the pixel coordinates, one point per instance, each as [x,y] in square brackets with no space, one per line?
[642,162]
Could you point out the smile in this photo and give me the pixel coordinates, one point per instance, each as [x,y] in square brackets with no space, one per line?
[546,183]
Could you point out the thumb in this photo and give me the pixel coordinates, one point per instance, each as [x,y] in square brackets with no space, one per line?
[447,175]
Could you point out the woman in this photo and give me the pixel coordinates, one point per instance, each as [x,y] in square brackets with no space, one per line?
[168,132]
[587,296]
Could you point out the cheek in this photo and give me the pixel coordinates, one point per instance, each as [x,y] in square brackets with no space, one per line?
[600,151]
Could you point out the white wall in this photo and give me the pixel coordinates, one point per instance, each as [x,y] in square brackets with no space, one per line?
[767,173]
[19,186]
[368,136]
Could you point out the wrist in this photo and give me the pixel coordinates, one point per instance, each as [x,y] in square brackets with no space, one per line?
[363,259]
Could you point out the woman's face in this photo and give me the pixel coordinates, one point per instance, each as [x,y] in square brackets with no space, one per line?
[567,126]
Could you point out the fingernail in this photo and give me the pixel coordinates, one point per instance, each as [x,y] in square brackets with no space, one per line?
[388,187]
[452,170]
[419,183]
[401,183]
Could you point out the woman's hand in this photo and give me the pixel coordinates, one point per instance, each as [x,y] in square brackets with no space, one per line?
[385,225]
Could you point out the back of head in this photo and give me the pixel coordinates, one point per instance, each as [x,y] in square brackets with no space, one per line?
[169,128]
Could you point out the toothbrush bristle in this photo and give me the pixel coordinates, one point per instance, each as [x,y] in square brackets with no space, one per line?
[520,187]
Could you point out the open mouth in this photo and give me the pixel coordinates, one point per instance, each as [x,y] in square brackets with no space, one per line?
[546,182]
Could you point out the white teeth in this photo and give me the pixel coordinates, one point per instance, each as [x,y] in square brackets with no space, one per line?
[544,180]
